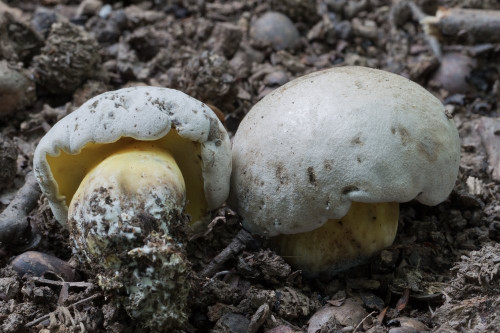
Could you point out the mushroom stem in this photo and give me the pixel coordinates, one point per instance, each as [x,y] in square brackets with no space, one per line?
[127,215]
[129,194]
[342,243]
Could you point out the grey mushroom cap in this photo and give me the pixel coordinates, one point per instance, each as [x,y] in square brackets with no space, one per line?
[308,150]
[141,113]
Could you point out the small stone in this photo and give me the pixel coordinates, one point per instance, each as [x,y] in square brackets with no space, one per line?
[105,11]
[365,28]
[453,72]
[42,20]
[372,301]
[38,264]
[276,30]
[343,30]
[241,65]
[276,78]
[89,8]
[107,30]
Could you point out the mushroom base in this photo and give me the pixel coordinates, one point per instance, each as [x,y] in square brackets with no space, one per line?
[342,243]
[127,224]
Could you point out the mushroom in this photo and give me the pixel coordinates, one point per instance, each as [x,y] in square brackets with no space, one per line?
[123,172]
[321,164]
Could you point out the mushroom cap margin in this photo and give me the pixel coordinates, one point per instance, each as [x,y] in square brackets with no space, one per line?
[141,113]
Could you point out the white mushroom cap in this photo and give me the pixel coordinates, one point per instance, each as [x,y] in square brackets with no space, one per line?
[342,135]
[141,113]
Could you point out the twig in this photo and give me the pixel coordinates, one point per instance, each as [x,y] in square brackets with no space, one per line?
[471,26]
[239,242]
[361,322]
[14,222]
[42,318]
[431,40]
[61,283]
[221,273]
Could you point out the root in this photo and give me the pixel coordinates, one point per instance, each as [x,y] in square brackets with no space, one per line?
[14,222]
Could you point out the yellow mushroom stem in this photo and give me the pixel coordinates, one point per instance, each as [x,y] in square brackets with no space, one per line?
[126,222]
[136,178]
[342,243]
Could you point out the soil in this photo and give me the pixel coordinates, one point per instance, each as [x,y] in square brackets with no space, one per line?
[442,274]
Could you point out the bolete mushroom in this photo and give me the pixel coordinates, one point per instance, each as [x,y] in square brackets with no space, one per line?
[121,172]
[321,164]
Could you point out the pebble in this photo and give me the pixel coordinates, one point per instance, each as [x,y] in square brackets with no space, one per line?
[276,30]
[42,20]
[343,30]
[17,89]
[372,301]
[276,78]
[453,72]
[105,11]
[89,8]
[37,264]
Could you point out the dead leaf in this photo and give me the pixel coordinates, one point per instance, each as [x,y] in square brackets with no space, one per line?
[403,301]
[351,313]
[336,302]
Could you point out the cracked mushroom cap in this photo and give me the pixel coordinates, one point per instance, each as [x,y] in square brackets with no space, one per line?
[308,150]
[107,123]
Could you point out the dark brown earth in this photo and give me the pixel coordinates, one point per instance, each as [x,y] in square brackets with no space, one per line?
[443,272]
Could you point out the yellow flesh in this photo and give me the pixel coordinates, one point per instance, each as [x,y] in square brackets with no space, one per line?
[366,229]
[69,170]
[136,170]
